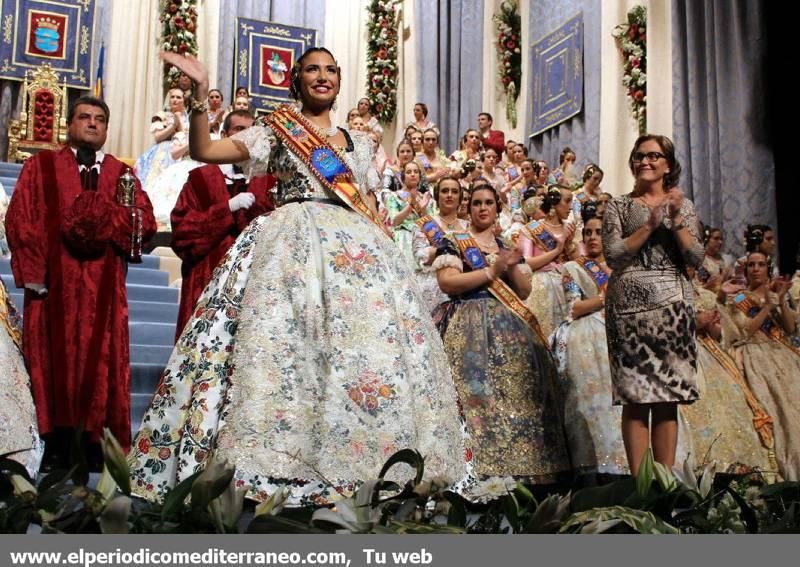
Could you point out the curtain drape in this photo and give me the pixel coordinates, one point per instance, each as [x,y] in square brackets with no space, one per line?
[132,76]
[720,125]
[346,37]
[450,64]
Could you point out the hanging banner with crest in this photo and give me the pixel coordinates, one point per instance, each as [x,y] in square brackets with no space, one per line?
[265,53]
[56,32]
[557,73]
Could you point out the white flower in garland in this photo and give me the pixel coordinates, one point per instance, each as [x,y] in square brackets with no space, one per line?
[632,41]
[382,58]
[508,25]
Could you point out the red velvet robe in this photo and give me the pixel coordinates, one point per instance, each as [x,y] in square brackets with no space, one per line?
[204,228]
[496,140]
[75,337]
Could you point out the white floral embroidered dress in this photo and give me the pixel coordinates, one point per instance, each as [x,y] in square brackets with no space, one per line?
[311,357]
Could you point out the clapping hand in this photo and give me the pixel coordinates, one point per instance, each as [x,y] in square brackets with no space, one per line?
[656,217]
[674,200]
[780,286]
[505,259]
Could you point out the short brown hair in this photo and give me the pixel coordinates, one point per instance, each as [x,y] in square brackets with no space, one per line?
[668,148]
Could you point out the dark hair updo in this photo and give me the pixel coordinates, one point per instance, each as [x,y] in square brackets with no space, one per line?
[708,232]
[754,236]
[552,197]
[482,184]
[590,170]
[588,211]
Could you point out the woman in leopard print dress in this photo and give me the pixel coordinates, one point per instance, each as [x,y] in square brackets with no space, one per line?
[650,236]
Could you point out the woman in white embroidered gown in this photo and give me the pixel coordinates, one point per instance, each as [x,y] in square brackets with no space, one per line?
[18,431]
[311,357]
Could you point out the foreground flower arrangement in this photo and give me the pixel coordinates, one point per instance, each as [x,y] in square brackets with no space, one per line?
[178,33]
[382,59]
[631,39]
[658,501]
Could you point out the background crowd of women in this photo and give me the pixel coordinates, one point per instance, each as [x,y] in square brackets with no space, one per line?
[579,330]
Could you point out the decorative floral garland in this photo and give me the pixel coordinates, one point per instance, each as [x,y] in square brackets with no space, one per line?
[509,55]
[632,42]
[382,59]
[178,26]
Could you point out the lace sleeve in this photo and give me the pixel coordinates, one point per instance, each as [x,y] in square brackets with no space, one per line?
[693,256]
[613,241]
[448,256]
[421,247]
[260,143]
[366,176]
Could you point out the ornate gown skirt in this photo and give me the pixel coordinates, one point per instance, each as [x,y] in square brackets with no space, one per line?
[165,188]
[592,423]
[310,359]
[547,300]
[507,388]
[773,373]
[18,429]
[721,422]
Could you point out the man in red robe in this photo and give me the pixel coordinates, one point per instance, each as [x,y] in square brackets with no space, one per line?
[213,208]
[70,241]
[494,139]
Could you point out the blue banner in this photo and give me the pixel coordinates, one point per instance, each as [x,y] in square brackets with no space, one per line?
[57,32]
[557,73]
[265,53]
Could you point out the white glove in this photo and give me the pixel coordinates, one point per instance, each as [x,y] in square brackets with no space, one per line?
[37,287]
[241,201]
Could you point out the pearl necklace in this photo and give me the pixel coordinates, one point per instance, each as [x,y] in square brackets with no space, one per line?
[323,133]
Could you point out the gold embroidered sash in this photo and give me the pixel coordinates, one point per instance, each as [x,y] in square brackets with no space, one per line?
[545,239]
[321,158]
[595,271]
[747,304]
[475,259]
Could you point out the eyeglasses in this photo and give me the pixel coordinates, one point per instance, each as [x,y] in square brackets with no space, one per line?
[650,156]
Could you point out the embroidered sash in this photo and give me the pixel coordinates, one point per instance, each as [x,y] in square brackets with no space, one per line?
[321,158]
[424,161]
[543,237]
[762,422]
[474,258]
[431,229]
[596,272]
[750,307]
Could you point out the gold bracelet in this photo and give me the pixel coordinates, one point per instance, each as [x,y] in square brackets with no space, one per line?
[488,273]
[198,105]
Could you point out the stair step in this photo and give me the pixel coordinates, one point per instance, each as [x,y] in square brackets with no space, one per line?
[149,262]
[136,292]
[139,292]
[147,276]
[8,169]
[150,354]
[153,311]
[144,377]
[151,333]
